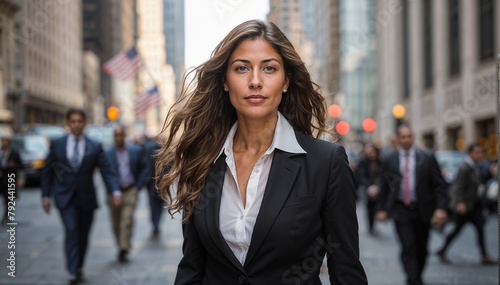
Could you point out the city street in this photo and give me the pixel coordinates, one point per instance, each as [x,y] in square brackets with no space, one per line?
[40,260]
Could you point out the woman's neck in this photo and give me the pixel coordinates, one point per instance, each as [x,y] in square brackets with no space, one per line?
[254,136]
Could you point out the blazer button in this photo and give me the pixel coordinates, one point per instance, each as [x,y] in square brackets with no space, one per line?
[243,279]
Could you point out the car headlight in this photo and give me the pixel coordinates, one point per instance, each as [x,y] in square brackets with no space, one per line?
[37,163]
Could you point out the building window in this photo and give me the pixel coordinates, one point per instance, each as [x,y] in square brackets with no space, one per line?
[486,29]
[454,36]
[427,42]
[405,37]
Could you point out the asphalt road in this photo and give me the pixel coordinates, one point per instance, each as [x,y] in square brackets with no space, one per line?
[39,257]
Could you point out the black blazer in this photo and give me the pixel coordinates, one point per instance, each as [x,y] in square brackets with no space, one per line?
[464,188]
[65,183]
[430,186]
[308,209]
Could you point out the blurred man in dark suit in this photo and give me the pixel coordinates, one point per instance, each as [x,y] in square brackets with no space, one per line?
[412,192]
[68,175]
[466,204]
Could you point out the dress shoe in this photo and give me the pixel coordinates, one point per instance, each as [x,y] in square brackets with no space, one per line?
[122,256]
[442,257]
[155,235]
[73,280]
[79,275]
[488,261]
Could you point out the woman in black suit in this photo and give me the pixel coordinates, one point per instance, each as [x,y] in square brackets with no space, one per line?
[262,199]
[368,177]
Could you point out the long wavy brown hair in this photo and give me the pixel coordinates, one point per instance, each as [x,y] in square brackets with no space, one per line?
[198,123]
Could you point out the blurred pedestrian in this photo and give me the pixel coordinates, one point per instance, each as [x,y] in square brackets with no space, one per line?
[156,203]
[129,162]
[68,174]
[466,204]
[260,195]
[369,180]
[412,192]
[10,180]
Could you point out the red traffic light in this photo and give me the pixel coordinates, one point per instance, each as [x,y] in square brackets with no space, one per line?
[369,125]
[342,128]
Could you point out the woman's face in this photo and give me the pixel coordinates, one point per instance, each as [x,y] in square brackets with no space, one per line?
[255,80]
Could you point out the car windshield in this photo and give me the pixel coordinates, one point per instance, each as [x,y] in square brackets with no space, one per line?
[51,132]
[31,144]
[450,161]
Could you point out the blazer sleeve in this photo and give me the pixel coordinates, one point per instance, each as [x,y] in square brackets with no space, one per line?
[459,185]
[144,171]
[384,186]
[340,224]
[438,184]
[109,175]
[191,269]
[363,174]
[47,173]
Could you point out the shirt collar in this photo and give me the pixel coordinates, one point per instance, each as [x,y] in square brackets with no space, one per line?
[72,137]
[284,139]
[411,151]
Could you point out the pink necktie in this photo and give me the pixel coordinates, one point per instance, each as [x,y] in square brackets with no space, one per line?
[406,179]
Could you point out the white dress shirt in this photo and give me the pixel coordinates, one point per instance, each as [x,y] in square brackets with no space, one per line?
[237,221]
[412,163]
[70,147]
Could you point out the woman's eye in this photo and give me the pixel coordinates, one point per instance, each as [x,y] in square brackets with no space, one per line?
[269,68]
[241,68]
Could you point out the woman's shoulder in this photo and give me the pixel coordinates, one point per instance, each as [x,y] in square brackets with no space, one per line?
[314,145]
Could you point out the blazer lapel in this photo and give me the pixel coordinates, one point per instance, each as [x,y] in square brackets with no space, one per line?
[210,201]
[281,179]
[419,161]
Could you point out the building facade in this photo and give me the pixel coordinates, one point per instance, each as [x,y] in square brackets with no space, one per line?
[94,103]
[173,19]
[48,39]
[151,46]
[358,76]
[313,29]
[8,10]
[437,58]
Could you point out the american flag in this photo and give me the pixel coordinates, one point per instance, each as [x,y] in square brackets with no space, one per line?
[145,100]
[124,65]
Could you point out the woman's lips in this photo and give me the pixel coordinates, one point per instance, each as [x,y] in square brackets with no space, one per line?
[255,99]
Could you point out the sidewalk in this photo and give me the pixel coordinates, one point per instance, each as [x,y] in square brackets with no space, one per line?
[40,256]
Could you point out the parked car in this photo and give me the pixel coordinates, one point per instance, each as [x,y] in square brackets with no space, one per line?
[33,150]
[102,134]
[449,161]
[49,131]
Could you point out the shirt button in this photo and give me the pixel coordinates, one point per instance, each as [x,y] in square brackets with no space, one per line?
[241,217]
[256,170]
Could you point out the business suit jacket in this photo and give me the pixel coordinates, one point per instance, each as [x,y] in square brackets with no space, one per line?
[308,209]
[137,162]
[429,184]
[58,175]
[464,188]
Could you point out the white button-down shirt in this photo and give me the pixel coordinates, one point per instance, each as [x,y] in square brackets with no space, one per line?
[237,221]
[70,147]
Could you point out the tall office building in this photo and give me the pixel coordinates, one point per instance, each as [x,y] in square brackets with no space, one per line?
[7,61]
[312,27]
[48,40]
[108,29]
[358,76]
[437,58]
[151,45]
[173,18]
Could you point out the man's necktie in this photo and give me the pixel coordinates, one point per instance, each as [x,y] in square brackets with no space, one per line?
[75,157]
[406,179]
